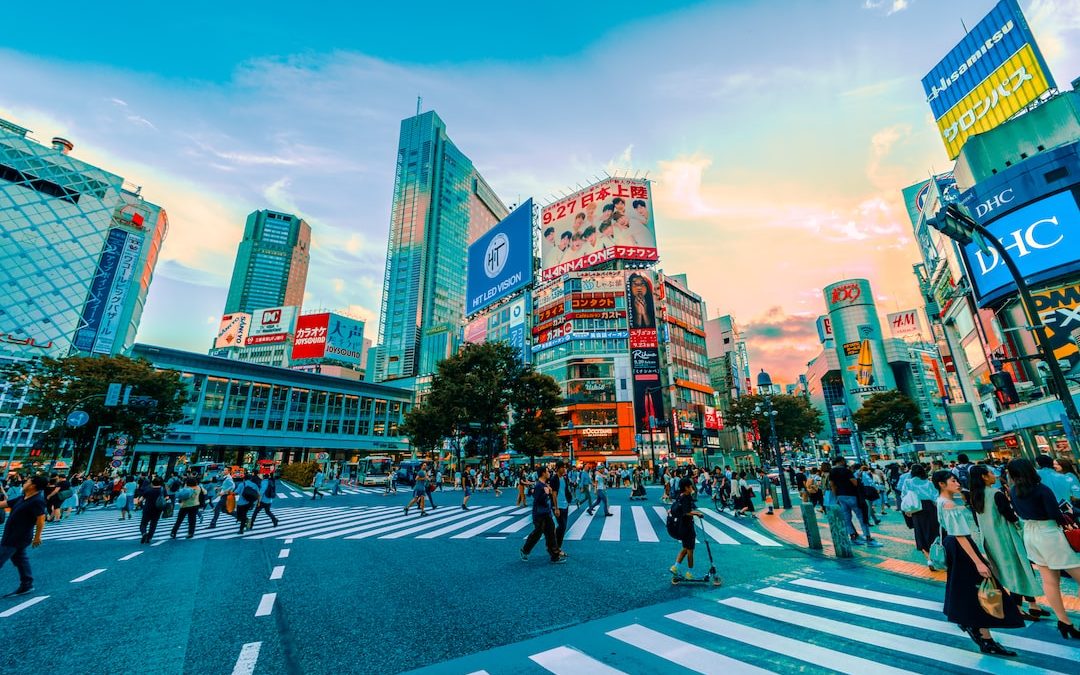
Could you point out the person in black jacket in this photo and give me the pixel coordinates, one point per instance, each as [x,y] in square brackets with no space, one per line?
[685,508]
[151,512]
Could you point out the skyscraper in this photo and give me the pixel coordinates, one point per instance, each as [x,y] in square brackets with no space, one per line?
[271,263]
[441,203]
[77,251]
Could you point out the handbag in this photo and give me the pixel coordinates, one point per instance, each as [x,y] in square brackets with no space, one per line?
[168,509]
[991,599]
[1072,533]
[910,503]
[230,503]
[937,555]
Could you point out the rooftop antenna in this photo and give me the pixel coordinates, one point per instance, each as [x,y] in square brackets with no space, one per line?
[964,25]
[419,101]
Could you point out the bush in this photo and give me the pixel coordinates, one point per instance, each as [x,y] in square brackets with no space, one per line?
[300,473]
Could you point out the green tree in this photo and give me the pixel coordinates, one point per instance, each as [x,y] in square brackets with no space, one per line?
[472,394]
[535,431]
[888,414]
[56,387]
[795,417]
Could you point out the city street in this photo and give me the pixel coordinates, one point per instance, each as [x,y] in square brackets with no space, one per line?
[350,584]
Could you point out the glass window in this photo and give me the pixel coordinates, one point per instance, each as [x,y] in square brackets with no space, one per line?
[298,404]
[279,404]
[238,398]
[260,398]
[379,422]
[213,402]
[318,410]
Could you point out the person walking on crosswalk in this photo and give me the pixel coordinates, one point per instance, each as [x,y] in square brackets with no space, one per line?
[419,493]
[153,503]
[247,498]
[685,509]
[468,484]
[317,483]
[224,489]
[267,493]
[585,483]
[560,485]
[543,525]
[600,479]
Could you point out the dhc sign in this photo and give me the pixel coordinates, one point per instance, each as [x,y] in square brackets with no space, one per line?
[1043,239]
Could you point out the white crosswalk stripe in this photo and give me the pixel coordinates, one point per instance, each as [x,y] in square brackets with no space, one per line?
[791,625]
[335,521]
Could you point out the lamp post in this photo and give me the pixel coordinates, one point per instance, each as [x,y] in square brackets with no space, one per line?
[764,383]
[957,225]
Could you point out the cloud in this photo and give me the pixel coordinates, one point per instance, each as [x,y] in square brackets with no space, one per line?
[782,343]
[890,6]
[1051,21]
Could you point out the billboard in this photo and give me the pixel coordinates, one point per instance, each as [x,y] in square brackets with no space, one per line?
[714,419]
[233,330]
[309,342]
[904,323]
[344,340]
[1043,239]
[824,329]
[94,309]
[863,366]
[1059,311]
[500,261]
[991,75]
[611,220]
[271,325]
[641,305]
[117,295]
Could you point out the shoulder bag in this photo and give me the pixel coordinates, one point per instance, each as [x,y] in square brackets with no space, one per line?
[991,599]
[937,554]
[1072,533]
[910,503]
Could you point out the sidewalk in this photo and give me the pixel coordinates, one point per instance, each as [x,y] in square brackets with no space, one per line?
[897,555]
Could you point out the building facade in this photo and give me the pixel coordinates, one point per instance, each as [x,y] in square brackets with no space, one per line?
[271,264]
[441,203]
[729,374]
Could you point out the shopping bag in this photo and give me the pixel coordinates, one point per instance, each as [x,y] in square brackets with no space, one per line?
[910,503]
[230,503]
[991,598]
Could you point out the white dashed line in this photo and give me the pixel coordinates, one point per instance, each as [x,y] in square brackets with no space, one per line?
[266,605]
[159,542]
[20,607]
[284,553]
[276,573]
[289,540]
[86,576]
[129,556]
[249,655]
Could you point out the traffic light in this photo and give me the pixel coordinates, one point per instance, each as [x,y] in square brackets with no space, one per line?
[1004,389]
[35,452]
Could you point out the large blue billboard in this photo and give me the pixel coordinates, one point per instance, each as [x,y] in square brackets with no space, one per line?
[501,261]
[96,299]
[1043,239]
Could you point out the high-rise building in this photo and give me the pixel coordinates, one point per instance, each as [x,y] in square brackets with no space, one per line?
[729,372]
[77,251]
[271,263]
[441,203]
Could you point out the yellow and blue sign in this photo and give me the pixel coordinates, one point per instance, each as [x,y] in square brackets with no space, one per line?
[501,261]
[991,75]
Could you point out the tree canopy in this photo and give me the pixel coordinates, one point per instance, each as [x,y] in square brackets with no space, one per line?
[795,417]
[473,393]
[888,413]
[57,387]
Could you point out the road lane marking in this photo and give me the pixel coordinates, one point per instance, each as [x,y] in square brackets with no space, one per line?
[284,553]
[641,524]
[577,530]
[86,576]
[289,540]
[482,527]
[129,556]
[277,572]
[249,655]
[796,649]
[20,607]
[567,661]
[752,535]
[903,600]
[682,653]
[612,525]
[266,604]
[955,657]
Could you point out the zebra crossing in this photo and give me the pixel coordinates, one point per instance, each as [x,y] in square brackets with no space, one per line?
[805,622]
[644,524]
[290,491]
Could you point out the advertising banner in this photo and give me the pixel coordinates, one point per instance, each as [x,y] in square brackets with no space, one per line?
[233,330]
[904,324]
[1043,239]
[842,419]
[500,261]
[641,303]
[1059,310]
[345,340]
[993,73]
[824,329]
[611,220]
[863,366]
[94,308]
[114,302]
[714,419]
[309,342]
[271,325]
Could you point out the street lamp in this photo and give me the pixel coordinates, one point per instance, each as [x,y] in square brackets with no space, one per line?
[764,383]
[957,225]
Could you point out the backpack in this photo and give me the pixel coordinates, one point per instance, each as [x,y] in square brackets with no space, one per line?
[271,489]
[174,485]
[674,524]
[184,494]
[962,473]
[249,493]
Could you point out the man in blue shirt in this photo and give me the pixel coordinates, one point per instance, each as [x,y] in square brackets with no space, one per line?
[23,529]
[247,497]
[543,525]
[317,483]
[1052,479]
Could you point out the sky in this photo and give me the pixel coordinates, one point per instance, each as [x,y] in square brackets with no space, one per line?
[778,135]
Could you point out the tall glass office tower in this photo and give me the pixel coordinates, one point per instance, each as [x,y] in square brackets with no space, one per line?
[441,204]
[271,263]
[77,251]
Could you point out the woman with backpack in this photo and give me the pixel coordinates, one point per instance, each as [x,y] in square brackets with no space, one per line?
[153,503]
[267,493]
[187,498]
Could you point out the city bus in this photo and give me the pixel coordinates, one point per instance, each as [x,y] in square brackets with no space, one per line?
[374,470]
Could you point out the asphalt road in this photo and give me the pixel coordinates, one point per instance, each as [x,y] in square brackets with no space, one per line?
[300,604]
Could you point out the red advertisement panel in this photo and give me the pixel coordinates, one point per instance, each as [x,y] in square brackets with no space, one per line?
[309,341]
